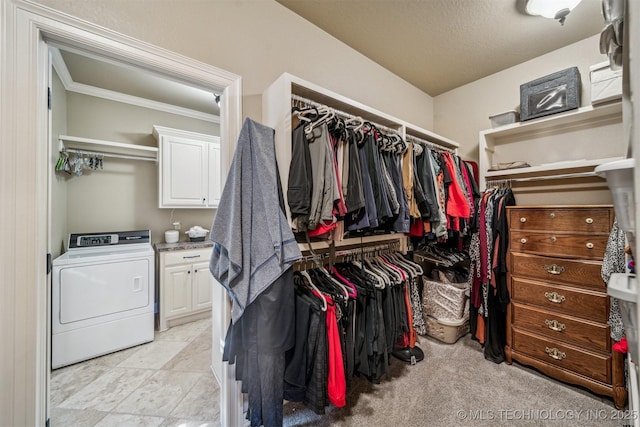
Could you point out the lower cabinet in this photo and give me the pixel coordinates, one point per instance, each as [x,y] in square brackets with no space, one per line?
[185,286]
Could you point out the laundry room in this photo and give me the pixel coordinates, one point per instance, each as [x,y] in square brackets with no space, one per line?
[109,215]
[103,101]
[319,212]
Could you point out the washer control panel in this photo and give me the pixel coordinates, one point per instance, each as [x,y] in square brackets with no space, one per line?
[92,240]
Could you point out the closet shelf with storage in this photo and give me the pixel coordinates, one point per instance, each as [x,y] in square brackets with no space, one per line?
[79,145]
[553,146]
[276,106]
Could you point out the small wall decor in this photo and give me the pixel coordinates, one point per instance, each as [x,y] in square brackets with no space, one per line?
[550,94]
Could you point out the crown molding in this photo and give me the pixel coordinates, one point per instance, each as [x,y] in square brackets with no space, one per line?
[72,86]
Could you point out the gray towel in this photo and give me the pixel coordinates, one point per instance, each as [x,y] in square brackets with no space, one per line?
[253,243]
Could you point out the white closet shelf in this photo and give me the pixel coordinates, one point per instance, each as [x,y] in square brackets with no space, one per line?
[76,144]
[551,168]
[556,136]
[588,116]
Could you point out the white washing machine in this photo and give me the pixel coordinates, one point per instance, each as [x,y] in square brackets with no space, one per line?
[102,296]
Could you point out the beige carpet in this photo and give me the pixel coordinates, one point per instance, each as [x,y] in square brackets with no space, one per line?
[455,386]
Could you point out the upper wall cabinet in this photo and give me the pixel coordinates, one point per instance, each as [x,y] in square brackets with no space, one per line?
[189,169]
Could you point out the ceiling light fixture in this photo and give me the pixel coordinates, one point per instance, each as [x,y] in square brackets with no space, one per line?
[552,9]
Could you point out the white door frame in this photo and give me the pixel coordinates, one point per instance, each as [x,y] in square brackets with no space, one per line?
[25,29]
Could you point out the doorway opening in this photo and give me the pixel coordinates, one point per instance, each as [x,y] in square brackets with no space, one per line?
[29,30]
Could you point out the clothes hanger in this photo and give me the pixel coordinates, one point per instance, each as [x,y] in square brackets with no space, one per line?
[304,113]
[380,283]
[332,284]
[355,123]
[354,291]
[305,274]
[376,271]
[327,114]
[393,274]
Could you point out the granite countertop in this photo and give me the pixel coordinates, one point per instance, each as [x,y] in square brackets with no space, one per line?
[181,246]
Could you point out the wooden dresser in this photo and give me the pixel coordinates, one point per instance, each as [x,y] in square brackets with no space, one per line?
[557,319]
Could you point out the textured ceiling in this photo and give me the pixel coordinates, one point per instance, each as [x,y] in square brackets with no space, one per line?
[438,45]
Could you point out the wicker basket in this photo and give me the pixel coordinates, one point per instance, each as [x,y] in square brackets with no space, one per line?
[445,301]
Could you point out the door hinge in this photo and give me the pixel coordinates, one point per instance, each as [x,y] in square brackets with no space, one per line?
[48,263]
[49,98]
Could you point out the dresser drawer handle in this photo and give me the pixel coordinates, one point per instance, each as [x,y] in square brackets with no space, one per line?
[589,245]
[554,239]
[523,220]
[523,240]
[552,215]
[589,220]
[554,325]
[555,353]
[554,268]
[554,297]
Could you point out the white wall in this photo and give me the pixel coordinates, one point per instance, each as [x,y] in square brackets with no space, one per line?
[259,40]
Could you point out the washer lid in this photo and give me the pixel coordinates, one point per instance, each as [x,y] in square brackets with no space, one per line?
[104,254]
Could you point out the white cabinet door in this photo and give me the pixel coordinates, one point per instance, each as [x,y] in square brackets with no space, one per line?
[190,173]
[184,172]
[202,286]
[177,283]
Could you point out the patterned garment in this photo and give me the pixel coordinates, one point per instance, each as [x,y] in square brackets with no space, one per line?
[614,262]
[416,307]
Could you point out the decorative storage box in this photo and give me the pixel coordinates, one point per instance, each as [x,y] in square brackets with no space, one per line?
[444,301]
[550,94]
[447,331]
[606,84]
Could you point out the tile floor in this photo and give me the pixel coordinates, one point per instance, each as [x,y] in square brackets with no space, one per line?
[167,382]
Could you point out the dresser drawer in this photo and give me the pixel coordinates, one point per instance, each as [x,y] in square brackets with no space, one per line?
[590,364]
[584,220]
[560,327]
[590,246]
[579,273]
[186,256]
[591,305]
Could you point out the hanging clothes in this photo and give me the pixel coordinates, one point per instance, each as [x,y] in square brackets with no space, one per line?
[614,261]
[348,178]
[489,292]
[349,321]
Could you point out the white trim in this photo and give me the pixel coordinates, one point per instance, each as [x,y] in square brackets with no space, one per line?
[84,89]
[24,26]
